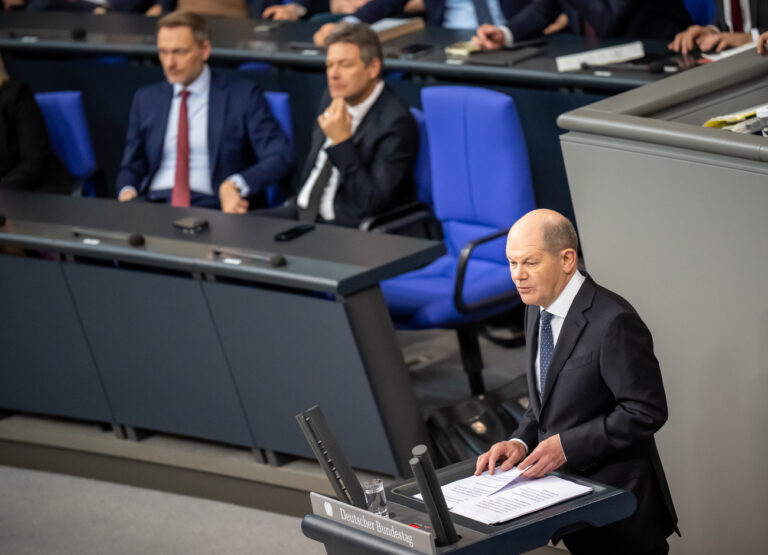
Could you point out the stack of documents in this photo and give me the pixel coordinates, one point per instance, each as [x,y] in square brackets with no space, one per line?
[500,497]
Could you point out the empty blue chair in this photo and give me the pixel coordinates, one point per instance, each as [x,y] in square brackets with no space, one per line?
[481,184]
[254,66]
[280,103]
[422,176]
[70,139]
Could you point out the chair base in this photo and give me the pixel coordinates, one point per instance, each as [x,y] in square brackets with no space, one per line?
[471,358]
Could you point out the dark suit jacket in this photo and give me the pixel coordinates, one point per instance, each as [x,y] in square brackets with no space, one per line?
[376,164]
[641,19]
[243,136]
[127,6]
[256,7]
[758,12]
[605,397]
[27,161]
[434,10]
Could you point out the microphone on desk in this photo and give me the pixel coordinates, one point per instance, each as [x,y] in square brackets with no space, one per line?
[133,239]
[432,495]
[272,258]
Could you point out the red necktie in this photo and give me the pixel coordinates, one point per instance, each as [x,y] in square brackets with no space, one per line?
[737,23]
[180,195]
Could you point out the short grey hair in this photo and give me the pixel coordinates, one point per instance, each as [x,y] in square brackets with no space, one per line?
[361,35]
[560,235]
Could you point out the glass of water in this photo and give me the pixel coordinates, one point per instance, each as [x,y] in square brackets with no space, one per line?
[374,496]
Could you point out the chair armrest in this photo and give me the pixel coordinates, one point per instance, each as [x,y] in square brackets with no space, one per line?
[397,218]
[461,270]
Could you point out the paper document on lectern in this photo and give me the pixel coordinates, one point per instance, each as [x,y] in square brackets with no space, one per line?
[503,496]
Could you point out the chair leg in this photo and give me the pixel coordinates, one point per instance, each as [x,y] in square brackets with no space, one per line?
[471,358]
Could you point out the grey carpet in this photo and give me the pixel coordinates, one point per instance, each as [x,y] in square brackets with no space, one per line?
[43,513]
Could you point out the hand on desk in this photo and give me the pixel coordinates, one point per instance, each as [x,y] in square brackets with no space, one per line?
[322,33]
[282,12]
[560,23]
[346,6]
[489,37]
[761,40]
[723,41]
[688,40]
[509,453]
[230,199]
[154,10]
[336,122]
[129,193]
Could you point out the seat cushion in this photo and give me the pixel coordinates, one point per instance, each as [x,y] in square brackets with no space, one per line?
[424,298]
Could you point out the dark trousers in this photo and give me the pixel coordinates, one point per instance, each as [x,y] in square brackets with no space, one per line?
[601,541]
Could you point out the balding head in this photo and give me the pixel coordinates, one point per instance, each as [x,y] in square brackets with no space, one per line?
[541,248]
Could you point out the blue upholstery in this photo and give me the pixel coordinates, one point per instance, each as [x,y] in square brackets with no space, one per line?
[481,184]
[254,66]
[702,11]
[280,103]
[422,175]
[68,130]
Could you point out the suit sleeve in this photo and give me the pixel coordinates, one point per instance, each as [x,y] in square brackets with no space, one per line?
[527,430]
[369,188]
[605,16]
[273,151]
[631,372]
[134,165]
[33,143]
[375,10]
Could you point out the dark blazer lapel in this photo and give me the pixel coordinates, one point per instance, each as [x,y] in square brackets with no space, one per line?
[156,141]
[217,110]
[573,326]
[370,117]
[532,317]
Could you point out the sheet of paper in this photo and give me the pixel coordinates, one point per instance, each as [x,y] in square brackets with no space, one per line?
[521,498]
[473,487]
[731,52]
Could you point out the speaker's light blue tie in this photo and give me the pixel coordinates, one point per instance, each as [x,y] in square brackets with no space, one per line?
[546,348]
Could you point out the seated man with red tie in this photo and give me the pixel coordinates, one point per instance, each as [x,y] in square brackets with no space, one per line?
[365,143]
[201,138]
[737,22]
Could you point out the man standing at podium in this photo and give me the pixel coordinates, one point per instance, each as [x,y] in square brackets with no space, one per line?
[596,396]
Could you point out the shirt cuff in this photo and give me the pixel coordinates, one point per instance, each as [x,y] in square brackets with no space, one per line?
[351,19]
[508,40]
[755,32]
[241,185]
[127,188]
[521,442]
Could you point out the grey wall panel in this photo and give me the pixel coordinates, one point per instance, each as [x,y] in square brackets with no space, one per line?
[683,237]
[158,352]
[289,352]
[45,364]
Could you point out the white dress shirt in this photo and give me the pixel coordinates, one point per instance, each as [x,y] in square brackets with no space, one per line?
[199,163]
[357,113]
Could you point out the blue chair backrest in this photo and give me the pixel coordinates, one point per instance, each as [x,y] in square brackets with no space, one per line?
[68,130]
[702,11]
[280,104]
[254,66]
[422,175]
[481,178]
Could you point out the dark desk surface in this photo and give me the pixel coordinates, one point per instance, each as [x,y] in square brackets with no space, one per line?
[283,44]
[330,258]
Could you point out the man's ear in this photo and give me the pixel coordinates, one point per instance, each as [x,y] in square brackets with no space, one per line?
[569,260]
[206,50]
[374,69]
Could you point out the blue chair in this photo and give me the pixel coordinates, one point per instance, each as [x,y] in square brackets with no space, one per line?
[254,66]
[702,11]
[481,184]
[280,103]
[65,119]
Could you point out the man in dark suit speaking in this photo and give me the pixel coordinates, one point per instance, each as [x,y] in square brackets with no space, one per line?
[201,138]
[365,143]
[595,391]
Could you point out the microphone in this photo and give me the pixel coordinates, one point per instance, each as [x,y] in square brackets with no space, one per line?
[272,258]
[133,239]
[429,486]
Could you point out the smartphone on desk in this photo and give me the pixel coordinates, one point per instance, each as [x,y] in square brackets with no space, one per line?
[294,232]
